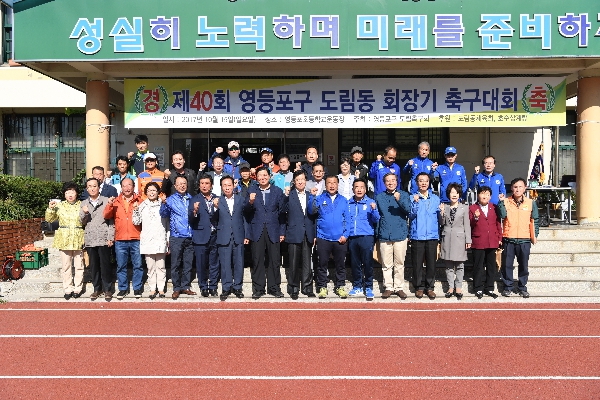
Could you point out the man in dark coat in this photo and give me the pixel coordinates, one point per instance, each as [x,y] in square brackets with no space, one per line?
[204,236]
[264,211]
[300,237]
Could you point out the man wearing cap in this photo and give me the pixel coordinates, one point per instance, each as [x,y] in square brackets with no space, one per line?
[245,181]
[266,156]
[420,163]
[151,174]
[232,162]
[451,172]
[178,170]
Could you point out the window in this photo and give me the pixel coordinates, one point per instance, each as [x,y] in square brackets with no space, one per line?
[46,146]
[7,37]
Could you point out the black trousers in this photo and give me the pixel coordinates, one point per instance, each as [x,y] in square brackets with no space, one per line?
[418,249]
[182,260]
[325,248]
[100,268]
[260,263]
[481,257]
[301,274]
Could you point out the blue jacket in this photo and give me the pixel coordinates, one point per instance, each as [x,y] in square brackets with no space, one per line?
[176,209]
[448,175]
[393,224]
[425,218]
[377,172]
[362,219]
[332,222]
[494,181]
[298,223]
[280,179]
[231,225]
[204,223]
[270,213]
[419,165]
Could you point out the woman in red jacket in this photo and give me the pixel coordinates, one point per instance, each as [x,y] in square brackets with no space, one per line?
[486,234]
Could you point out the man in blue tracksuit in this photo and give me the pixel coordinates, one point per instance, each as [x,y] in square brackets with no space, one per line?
[419,164]
[382,166]
[425,219]
[180,242]
[451,172]
[332,235]
[489,178]
[362,218]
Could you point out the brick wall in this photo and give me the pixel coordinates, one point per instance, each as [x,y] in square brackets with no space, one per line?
[16,234]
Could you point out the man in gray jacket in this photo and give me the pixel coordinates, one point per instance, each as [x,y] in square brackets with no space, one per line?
[98,237]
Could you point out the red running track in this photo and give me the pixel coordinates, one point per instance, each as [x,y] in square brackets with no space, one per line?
[300,350]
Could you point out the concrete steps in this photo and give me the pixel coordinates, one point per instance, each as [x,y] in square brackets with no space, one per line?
[565,262]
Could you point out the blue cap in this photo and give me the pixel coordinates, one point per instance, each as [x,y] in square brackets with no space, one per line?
[450,150]
[268,150]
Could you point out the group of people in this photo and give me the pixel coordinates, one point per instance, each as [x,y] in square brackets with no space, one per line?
[227,210]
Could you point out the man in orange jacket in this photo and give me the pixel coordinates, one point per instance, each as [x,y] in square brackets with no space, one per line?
[520,230]
[127,238]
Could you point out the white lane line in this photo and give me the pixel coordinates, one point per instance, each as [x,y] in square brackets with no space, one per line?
[308,378]
[437,310]
[99,336]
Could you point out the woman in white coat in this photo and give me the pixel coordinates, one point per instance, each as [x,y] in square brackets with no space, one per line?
[456,239]
[154,238]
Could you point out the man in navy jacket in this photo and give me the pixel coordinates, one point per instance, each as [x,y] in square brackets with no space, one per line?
[265,213]
[204,236]
[106,189]
[300,237]
[332,235]
[231,237]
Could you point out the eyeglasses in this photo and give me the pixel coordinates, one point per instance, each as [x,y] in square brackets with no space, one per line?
[150,160]
[234,148]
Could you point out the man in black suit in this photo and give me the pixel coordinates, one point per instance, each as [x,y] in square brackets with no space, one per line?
[231,237]
[204,236]
[265,213]
[106,189]
[300,237]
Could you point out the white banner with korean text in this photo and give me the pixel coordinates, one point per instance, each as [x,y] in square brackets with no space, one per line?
[344,103]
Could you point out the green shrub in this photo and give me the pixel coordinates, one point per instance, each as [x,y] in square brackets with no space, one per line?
[29,193]
[10,210]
